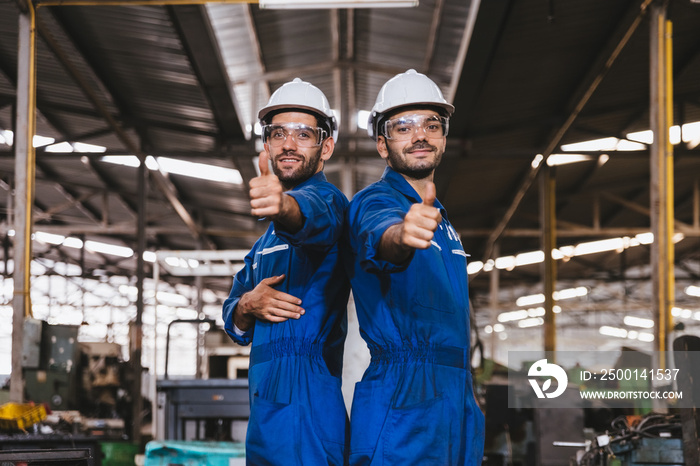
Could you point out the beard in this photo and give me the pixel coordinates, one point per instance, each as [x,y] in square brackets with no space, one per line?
[419,169]
[308,168]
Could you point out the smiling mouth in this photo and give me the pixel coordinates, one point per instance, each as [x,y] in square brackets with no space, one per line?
[289,160]
[421,149]
[421,152]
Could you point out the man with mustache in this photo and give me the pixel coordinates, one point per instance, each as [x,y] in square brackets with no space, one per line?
[290,299]
[415,403]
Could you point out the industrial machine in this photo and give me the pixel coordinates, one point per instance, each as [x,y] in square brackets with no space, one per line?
[654,439]
[212,408]
[83,379]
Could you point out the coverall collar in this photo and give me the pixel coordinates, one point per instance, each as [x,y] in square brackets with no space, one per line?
[316,178]
[398,182]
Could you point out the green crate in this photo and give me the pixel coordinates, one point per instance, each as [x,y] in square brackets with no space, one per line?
[118,453]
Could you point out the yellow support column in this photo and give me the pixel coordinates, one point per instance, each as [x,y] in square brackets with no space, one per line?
[662,211]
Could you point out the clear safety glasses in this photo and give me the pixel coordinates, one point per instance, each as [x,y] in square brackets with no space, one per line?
[403,128]
[303,135]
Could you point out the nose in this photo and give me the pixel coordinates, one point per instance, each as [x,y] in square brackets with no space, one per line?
[289,141]
[419,133]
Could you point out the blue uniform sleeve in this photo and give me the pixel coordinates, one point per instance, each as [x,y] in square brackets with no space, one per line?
[242,283]
[323,207]
[369,216]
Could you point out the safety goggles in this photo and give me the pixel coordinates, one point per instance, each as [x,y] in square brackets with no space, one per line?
[403,128]
[304,136]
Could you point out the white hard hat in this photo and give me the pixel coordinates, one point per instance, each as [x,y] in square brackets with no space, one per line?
[299,94]
[409,88]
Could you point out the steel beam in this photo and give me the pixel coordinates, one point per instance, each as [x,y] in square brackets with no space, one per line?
[24,192]
[548,241]
[579,103]
[161,181]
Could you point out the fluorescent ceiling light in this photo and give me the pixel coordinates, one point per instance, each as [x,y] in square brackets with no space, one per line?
[92,246]
[564,159]
[534,322]
[569,293]
[49,238]
[607,144]
[538,160]
[88,148]
[41,141]
[106,248]
[512,315]
[634,321]
[306,4]
[60,147]
[530,300]
[6,137]
[680,312]
[180,167]
[612,331]
[200,170]
[474,267]
[557,295]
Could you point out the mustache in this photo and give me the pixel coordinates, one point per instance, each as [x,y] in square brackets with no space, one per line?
[421,146]
[288,153]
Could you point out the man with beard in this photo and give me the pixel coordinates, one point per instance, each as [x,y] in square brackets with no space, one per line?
[290,299]
[415,403]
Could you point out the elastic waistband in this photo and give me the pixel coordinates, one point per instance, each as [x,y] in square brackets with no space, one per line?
[442,355]
[285,347]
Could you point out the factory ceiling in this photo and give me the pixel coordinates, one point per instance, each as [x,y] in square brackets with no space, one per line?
[184,82]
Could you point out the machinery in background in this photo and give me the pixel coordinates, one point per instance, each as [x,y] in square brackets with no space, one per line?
[654,439]
[50,363]
[83,383]
[203,419]
[214,407]
[223,358]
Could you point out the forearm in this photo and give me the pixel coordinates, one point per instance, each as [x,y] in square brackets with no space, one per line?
[391,248]
[242,315]
[290,218]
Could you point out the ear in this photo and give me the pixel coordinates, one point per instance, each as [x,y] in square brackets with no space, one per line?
[327,148]
[381,147]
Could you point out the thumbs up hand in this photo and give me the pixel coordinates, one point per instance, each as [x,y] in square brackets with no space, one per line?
[263,163]
[421,221]
[266,192]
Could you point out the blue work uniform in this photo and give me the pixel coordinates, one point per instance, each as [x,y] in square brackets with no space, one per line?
[297,412]
[415,402]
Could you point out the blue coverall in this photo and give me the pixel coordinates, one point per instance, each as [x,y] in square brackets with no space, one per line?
[298,415]
[415,403]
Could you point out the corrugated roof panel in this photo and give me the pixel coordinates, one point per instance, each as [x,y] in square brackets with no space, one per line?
[144,67]
[233,27]
[292,39]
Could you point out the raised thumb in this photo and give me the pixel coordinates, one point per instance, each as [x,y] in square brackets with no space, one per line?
[263,163]
[429,196]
